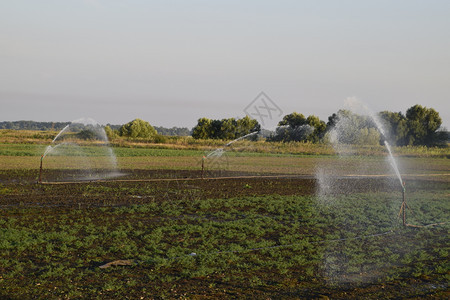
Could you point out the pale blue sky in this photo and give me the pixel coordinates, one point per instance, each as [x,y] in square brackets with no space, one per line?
[172,62]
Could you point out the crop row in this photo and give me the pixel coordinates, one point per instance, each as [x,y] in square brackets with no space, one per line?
[272,243]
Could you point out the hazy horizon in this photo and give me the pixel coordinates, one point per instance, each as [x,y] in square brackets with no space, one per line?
[172,62]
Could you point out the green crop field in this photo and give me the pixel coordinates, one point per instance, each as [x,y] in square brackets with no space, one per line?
[258,225]
[191,244]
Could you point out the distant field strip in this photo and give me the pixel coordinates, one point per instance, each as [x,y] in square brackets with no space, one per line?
[305,165]
[38,150]
[27,156]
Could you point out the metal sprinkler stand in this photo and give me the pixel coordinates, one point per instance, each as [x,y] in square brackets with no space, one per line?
[40,170]
[203,166]
[404,205]
[403,208]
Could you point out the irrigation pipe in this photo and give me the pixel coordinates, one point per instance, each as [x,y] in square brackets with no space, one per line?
[232,177]
[423,226]
[180,179]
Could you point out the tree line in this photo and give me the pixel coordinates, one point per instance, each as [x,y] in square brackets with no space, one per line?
[225,129]
[33,125]
[419,126]
[57,126]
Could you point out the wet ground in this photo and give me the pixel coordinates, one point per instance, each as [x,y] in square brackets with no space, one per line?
[67,188]
[68,198]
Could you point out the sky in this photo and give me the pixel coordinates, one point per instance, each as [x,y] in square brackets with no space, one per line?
[173,62]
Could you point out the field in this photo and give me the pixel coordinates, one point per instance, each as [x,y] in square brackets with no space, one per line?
[252,224]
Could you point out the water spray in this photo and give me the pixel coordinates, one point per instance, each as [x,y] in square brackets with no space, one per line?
[343,126]
[67,139]
[220,151]
[242,137]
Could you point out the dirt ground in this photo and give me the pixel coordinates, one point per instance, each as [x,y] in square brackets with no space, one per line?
[138,186]
[62,190]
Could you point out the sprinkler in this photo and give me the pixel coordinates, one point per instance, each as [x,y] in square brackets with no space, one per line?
[40,170]
[203,165]
[404,205]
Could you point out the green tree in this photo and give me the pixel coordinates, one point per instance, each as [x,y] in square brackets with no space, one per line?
[295,127]
[137,129]
[292,127]
[396,127]
[319,128]
[246,125]
[293,120]
[352,128]
[226,129]
[111,133]
[368,136]
[203,129]
[216,130]
[423,124]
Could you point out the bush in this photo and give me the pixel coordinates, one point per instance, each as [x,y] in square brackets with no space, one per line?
[110,133]
[137,129]
[160,139]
